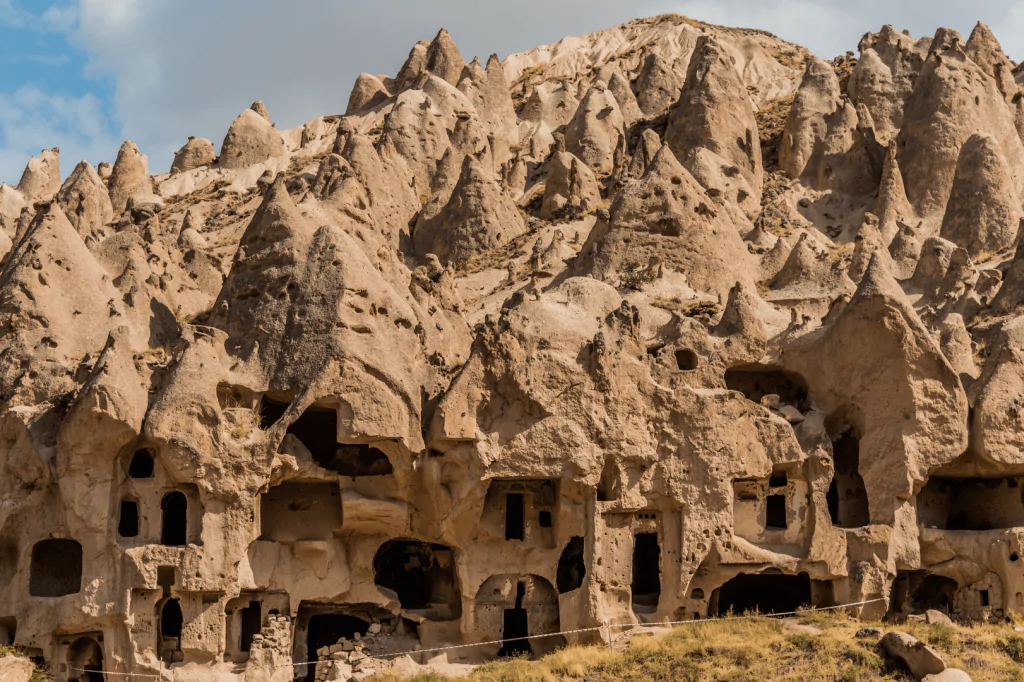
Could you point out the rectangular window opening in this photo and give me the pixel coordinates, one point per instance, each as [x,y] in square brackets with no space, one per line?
[515,518]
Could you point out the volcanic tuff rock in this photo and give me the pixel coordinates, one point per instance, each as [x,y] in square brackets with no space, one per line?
[521,348]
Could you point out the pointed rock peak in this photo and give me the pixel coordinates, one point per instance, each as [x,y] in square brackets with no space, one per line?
[41,178]
[190,222]
[982,46]
[129,178]
[367,91]
[260,108]
[983,211]
[740,316]
[804,265]
[494,63]
[657,85]
[86,203]
[444,59]
[878,281]
[892,205]
[414,65]
[905,249]
[665,163]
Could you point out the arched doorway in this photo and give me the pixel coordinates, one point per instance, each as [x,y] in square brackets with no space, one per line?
[85,660]
[171,621]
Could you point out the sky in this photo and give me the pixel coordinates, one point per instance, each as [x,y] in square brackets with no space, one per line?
[84,75]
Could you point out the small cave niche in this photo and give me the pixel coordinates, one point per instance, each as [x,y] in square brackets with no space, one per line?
[646,583]
[757,381]
[317,428]
[544,519]
[572,567]
[763,592]
[128,519]
[971,503]
[919,591]
[516,627]
[515,516]
[174,519]
[686,360]
[271,411]
[775,512]
[423,576]
[295,511]
[141,465]
[8,630]
[85,661]
[847,498]
[56,568]
[171,622]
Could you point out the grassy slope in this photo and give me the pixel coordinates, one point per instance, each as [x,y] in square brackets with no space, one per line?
[763,649]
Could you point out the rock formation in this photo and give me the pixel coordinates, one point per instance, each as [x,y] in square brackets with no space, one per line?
[521,349]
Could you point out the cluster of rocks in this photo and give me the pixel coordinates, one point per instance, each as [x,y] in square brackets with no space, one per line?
[350,659]
[524,346]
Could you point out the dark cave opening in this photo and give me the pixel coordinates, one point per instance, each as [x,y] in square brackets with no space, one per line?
[918,591]
[757,381]
[422,575]
[572,568]
[846,497]
[646,584]
[174,522]
[128,519]
[325,629]
[764,592]
[171,621]
[515,516]
[252,623]
[317,428]
[141,465]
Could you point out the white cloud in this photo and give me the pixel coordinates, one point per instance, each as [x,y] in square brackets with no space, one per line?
[32,119]
[55,18]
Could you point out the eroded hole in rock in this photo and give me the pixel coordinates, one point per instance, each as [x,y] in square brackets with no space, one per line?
[516,627]
[128,519]
[171,620]
[686,360]
[300,511]
[515,519]
[85,654]
[422,575]
[317,428]
[571,566]
[646,584]
[174,519]
[271,411]
[971,503]
[846,497]
[764,593]
[141,465]
[8,630]
[918,591]
[56,568]
[544,519]
[757,381]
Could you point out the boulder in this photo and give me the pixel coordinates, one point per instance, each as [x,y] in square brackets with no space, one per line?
[920,659]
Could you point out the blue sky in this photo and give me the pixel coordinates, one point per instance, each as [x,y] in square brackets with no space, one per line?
[86,74]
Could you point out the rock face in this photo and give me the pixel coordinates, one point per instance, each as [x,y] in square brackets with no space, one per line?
[520,349]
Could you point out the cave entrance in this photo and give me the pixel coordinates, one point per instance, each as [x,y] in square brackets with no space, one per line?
[515,516]
[764,593]
[571,566]
[422,575]
[171,621]
[174,526]
[326,629]
[971,503]
[85,661]
[317,428]
[56,568]
[757,381]
[141,465]
[128,519]
[252,623]
[515,627]
[271,411]
[918,591]
[846,497]
[646,585]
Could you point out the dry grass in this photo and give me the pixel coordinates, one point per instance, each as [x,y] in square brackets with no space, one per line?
[747,649]
[771,120]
